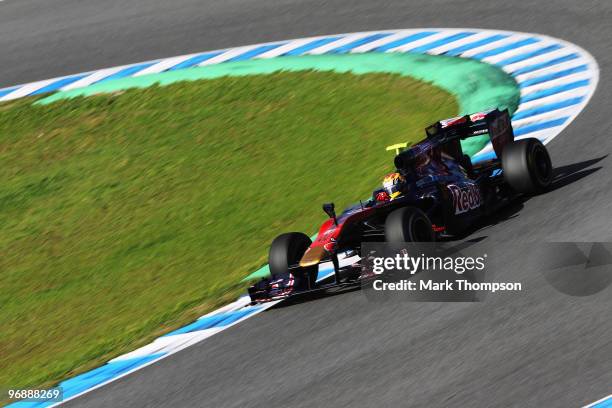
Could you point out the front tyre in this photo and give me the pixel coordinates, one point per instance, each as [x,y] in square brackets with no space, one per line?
[285,254]
[527,166]
[408,224]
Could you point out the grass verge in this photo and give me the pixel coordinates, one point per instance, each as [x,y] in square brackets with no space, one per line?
[127,215]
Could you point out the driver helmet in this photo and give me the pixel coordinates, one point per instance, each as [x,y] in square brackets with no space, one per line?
[393,184]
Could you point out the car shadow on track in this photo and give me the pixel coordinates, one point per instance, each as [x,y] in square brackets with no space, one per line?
[568,174]
[563,176]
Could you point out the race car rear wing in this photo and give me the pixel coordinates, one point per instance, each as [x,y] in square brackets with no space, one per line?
[495,123]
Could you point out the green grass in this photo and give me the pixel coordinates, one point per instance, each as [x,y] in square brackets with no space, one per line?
[124,216]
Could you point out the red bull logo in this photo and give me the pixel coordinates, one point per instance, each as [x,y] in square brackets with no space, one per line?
[465,198]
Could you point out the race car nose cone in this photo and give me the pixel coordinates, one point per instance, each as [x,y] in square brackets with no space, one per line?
[312,256]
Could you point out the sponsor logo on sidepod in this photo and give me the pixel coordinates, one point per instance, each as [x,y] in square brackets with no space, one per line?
[465,198]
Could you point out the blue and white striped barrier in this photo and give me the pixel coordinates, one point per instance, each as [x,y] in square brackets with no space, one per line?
[556,81]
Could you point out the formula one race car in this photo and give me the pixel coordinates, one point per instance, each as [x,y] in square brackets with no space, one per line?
[435,192]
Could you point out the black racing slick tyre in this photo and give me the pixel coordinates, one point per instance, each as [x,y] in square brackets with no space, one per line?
[408,224]
[286,251]
[527,166]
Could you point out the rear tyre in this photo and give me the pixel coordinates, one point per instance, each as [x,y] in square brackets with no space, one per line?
[408,224]
[286,251]
[527,166]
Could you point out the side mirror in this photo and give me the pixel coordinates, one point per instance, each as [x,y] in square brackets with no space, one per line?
[330,211]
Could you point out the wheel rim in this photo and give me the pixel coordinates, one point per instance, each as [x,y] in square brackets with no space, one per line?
[421,231]
[542,165]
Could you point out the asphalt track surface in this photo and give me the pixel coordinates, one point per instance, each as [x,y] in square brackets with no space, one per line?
[539,348]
